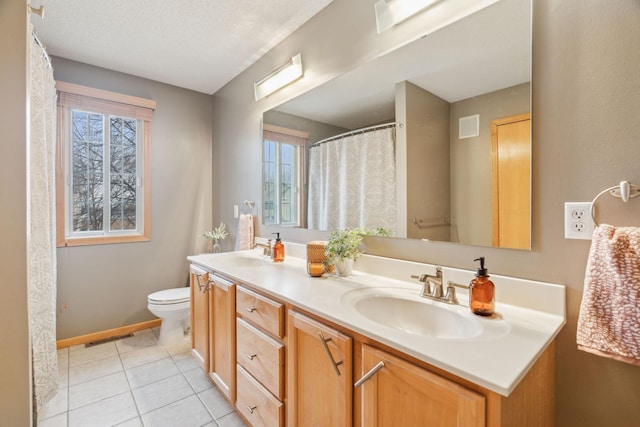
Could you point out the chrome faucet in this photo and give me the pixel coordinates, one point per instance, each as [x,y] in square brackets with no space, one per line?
[431,285]
[266,251]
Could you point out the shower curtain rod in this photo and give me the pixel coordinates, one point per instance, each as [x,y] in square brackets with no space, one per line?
[40,12]
[44,50]
[352,132]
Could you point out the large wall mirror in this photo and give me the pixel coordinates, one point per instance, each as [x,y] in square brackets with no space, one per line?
[430,141]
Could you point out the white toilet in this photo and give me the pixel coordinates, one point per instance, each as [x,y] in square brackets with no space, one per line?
[173,307]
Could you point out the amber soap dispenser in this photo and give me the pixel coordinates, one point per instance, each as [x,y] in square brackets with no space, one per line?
[482,292]
[277,253]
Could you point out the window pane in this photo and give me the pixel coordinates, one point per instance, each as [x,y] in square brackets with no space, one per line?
[87,171]
[269,170]
[123,174]
[288,184]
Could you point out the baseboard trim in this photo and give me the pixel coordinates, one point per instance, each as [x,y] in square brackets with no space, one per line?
[123,330]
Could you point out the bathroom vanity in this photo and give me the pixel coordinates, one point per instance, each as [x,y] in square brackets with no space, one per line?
[289,349]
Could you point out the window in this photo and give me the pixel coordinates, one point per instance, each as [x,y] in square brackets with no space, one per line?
[283,167]
[103,183]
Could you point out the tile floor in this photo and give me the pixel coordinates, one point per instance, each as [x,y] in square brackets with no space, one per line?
[135,382]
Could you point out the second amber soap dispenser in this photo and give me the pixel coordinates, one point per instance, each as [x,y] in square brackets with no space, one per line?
[277,253]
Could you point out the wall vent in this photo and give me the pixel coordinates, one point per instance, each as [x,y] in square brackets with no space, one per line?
[469,126]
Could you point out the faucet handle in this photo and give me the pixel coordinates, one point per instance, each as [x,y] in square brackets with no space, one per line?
[450,296]
[426,285]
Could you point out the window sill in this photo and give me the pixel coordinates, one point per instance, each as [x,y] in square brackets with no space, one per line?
[88,241]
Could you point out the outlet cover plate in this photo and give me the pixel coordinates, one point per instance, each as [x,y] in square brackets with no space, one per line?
[578,223]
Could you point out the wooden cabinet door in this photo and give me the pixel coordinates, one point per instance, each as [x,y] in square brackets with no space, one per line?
[199,280]
[403,394]
[222,327]
[320,374]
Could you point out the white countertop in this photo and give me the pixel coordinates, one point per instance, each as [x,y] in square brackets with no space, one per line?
[530,314]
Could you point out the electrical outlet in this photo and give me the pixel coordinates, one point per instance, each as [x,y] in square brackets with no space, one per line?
[578,223]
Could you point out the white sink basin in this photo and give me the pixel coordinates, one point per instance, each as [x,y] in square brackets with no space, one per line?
[404,310]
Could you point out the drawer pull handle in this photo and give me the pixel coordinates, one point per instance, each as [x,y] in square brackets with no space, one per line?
[250,310]
[369,374]
[250,356]
[324,342]
[251,409]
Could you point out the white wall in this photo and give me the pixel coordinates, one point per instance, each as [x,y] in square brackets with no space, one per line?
[586,88]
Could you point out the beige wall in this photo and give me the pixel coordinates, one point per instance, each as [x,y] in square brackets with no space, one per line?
[471,161]
[15,350]
[426,135]
[422,162]
[586,88]
[106,286]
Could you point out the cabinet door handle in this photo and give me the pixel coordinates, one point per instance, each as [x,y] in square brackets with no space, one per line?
[250,309]
[205,287]
[251,409]
[335,364]
[250,356]
[369,374]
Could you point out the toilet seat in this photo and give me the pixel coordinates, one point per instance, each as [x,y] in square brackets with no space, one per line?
[170,296]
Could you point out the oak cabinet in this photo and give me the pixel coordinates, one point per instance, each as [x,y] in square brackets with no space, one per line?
[279,366]
[222,331]
[260,359]
[397,392]
[320,374]
[199,281]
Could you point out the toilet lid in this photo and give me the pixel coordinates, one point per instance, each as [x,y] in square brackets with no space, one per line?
[170,296]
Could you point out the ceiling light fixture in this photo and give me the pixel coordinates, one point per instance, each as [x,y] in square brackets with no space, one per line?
[392,12]
[278,79]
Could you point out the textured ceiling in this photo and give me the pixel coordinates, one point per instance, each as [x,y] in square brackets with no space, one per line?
[195,44]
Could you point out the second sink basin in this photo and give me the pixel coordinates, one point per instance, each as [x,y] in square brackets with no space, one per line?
[403,310]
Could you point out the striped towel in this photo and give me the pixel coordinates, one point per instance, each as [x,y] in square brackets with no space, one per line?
[609,319]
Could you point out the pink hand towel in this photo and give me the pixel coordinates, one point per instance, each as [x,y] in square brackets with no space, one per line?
[244,237]
[609,319]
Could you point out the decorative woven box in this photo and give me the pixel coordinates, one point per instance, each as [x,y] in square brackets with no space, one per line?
[315,251]
[316,255]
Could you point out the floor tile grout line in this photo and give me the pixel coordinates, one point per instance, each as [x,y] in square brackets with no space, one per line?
[133,396]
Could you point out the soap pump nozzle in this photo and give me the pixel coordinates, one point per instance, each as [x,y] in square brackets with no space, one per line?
[481,271]
[277,236]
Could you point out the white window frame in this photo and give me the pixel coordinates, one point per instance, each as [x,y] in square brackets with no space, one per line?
[73,97]
[299,139]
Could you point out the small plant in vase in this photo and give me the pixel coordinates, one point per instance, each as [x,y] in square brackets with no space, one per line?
[218,233]
[342,249]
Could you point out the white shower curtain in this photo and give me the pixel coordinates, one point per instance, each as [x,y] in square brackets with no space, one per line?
[41,247]
[352,182]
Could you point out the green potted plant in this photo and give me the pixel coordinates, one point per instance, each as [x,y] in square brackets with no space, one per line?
[218,233]
[342,249]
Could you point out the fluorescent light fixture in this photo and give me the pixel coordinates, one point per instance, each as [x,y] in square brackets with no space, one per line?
[278,79]
[392,12]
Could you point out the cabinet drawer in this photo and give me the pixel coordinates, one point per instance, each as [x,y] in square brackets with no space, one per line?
[261,311]
[261,356]
[256,404]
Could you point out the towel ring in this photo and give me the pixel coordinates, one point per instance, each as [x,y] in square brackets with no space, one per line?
[625,190]
[248,206]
